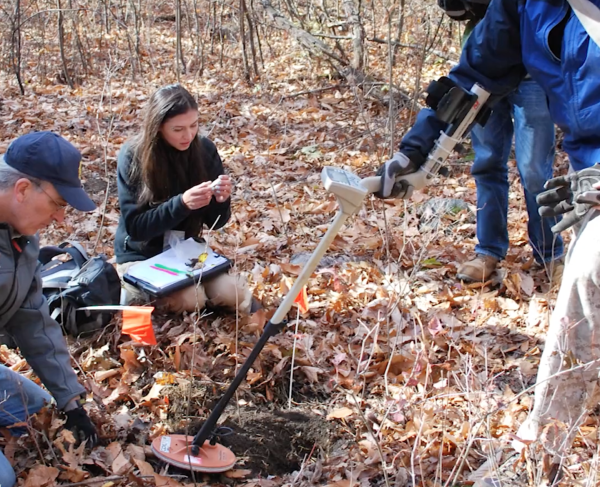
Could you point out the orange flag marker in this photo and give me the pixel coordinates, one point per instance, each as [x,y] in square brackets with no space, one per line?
[137,323]
[302,300]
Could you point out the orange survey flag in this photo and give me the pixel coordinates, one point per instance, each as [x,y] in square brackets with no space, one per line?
[137,323]
[302,300]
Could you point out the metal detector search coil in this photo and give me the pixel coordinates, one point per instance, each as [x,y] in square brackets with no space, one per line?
[176,450]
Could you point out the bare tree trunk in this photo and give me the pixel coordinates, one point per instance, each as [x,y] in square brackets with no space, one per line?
[199,61]
[212,14]
[179,61]
[265,35]
[77,39]
[16,45]
[187,15]
[251,36]
[221,33]
[391,114]
[256,30]
[399,31]
[242,9]
[136,26]
[358,34]
[374,19]
[42,66]
[61,44]
[106,16]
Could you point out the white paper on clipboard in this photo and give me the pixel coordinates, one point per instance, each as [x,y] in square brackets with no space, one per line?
[172,266]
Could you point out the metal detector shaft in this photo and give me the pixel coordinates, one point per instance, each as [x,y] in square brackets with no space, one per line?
[274,326]
[309,267]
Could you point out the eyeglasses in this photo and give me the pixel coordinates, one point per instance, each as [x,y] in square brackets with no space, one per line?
[59,206]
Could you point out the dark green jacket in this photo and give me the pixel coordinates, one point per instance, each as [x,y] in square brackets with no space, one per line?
[142,228]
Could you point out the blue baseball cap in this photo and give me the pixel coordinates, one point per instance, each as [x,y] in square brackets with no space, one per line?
[49,157]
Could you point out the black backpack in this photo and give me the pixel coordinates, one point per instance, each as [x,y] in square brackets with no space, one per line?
[75,283]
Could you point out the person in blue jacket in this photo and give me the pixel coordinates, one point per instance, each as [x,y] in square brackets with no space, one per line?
[523,112]
[546,39]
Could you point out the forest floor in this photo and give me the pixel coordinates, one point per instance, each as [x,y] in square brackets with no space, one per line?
[402,374]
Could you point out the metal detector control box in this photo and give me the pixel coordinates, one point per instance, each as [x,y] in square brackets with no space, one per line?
[346,186]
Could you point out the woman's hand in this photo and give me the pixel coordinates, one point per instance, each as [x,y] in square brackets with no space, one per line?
[198,196]
[222,188]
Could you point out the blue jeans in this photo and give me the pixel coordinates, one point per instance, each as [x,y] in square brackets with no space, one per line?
[19,398]
[534,150]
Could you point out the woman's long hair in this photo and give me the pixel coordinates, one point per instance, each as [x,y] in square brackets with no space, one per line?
[161,170]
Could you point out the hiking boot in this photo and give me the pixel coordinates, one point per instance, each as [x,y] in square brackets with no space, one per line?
[553,269]
[478,269]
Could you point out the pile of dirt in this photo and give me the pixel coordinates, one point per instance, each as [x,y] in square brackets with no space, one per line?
[187,403]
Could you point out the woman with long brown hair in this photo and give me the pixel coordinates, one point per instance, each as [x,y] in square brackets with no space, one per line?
[171,181]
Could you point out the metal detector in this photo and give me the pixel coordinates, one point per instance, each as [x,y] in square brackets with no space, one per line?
[202,453]
[460,109]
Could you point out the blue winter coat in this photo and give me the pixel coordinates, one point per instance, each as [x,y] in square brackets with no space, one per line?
[545,39]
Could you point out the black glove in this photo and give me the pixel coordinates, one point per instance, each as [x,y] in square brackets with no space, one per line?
[398,165]
[81,425]
[455,9]
[573,195]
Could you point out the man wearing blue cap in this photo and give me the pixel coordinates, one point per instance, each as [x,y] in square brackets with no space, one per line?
[39,177]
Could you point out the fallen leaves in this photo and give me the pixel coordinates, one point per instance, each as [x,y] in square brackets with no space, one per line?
[340,413]
[41,476]
[312,373]
[119,464]
[424,357]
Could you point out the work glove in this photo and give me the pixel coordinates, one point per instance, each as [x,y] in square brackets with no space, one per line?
[81,425]
[398,165]
[572,195]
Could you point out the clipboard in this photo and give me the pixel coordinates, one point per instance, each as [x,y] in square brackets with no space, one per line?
[173,269]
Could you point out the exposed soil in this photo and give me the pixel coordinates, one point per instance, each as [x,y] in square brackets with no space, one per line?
[185,405]
[275,443]
[266,442]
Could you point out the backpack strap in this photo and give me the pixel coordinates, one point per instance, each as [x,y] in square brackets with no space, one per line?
[77,253]
[589,16]
[79,247]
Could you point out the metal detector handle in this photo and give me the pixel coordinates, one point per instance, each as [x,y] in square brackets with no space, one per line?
[445,143]
[349,201]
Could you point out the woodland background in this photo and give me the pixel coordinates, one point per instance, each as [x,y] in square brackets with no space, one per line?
[402,376]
